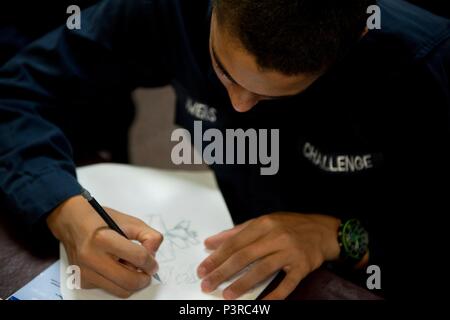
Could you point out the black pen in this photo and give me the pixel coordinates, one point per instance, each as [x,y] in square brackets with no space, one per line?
[109,221]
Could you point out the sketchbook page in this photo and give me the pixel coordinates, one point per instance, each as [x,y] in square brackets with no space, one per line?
[186,207]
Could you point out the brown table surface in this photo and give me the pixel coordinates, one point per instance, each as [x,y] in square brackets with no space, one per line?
[20,263]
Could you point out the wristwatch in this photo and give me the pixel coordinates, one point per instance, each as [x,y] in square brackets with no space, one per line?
[353,240]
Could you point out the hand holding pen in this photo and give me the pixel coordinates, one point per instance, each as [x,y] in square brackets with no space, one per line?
[107,260]
[108,220]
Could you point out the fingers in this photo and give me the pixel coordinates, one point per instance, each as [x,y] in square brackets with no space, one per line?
[237,262]
[259,272]
[113,243]
[213,242]
[147,236]
[106,259]
[247,235]
[91,279]
[124,277]
[287,285]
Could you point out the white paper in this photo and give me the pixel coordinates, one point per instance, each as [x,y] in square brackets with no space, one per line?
[186,207]
[44,287]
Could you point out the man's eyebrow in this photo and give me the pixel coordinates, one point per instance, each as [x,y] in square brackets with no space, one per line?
[225,72]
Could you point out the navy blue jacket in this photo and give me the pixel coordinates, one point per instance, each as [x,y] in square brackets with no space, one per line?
[387,101]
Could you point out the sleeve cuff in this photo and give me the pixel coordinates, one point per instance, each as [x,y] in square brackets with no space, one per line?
[40,195]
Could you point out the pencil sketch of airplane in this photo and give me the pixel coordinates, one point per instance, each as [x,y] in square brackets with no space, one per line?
[181,236]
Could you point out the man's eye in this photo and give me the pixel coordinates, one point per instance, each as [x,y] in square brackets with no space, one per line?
[224,76]
[221,72]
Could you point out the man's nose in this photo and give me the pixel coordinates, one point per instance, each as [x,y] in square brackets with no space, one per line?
[242,100]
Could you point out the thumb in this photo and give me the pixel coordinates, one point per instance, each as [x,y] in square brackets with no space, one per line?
[150,238]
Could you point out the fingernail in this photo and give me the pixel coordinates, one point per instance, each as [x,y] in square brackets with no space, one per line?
[201,272]
[206,286]
[229,294]
[206,243]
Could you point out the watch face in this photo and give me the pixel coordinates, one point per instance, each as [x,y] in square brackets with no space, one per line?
[355,239]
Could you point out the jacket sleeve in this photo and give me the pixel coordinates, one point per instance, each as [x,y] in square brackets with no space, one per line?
[36,168]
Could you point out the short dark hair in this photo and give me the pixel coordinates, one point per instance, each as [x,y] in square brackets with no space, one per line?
[294,36]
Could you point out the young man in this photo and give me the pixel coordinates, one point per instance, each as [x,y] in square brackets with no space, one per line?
[359,114]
